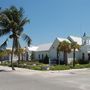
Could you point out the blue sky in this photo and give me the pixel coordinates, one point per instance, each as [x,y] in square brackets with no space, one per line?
[53,18]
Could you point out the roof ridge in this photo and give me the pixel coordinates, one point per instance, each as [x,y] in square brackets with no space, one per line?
[75,36]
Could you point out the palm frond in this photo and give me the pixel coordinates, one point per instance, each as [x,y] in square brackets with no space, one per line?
[4,17]
[21,13]
[3,45]
[74,45]
[4,24]
[4,32]
[24,21]
[64,46]
[26,38]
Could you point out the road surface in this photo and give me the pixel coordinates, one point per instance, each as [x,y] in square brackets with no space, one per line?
[44,80]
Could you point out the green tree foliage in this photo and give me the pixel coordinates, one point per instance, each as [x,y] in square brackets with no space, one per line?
[12,21]
[65,47]
[46,59]
[74,46]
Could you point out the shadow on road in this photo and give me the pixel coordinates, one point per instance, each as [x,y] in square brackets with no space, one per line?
[2,70]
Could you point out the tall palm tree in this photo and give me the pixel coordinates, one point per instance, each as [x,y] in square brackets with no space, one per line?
[64,46]
[12,21]
[74,46]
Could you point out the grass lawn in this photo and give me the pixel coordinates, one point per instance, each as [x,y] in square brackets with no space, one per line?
[40,66]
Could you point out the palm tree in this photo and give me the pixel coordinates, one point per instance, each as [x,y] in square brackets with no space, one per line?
[64,46]
[74,46]
[12,21]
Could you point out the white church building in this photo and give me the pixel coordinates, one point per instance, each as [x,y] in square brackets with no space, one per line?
[50,49]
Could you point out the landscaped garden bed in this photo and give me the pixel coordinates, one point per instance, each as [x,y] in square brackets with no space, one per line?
[40,66]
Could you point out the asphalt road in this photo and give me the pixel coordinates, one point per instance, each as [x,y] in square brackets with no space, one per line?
[73,80]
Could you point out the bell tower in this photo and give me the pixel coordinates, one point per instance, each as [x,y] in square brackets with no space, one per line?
[85,39]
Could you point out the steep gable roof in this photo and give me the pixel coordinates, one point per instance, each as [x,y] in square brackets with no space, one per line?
[75,39]
[47,46]
[63,39]
[44,47]
[32,48]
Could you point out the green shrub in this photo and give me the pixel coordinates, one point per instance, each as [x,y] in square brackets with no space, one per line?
[40,66]
[46,59]
[5,63]
[77,66]
[59,67]
[36,67]
[83,61]
[41,61]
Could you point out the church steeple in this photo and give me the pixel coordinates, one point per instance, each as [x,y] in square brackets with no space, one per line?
[84,39]
[84,35]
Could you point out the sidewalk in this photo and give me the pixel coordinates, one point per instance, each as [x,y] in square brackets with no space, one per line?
[22,71]
[17,70]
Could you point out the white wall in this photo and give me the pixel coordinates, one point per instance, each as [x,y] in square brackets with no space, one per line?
[86,50]
[44,53]
[70,56]
[53,50]
[52,53]
[15,57]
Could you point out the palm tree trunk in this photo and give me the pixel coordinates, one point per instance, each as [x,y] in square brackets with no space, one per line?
[27,57]
[12,56]
[22,56]
[57,57]
[18,55]
[1,59]
[18,58]
[18,50]
[65,58]
[74,58]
